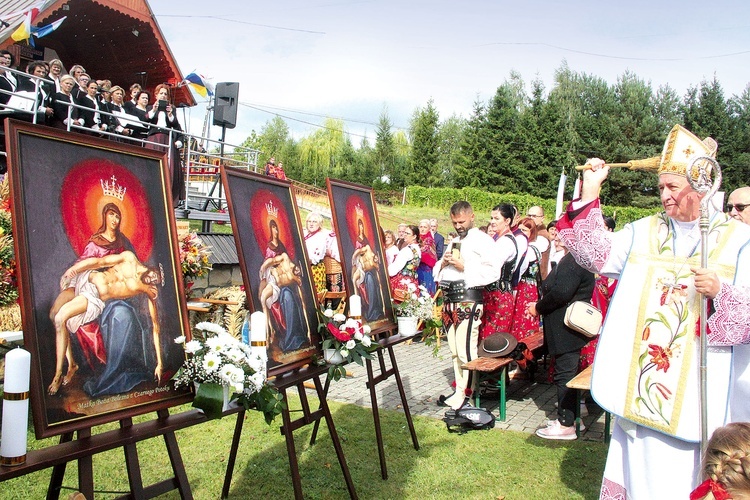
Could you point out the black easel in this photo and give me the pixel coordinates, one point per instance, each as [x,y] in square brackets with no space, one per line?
[385,343]
[295,378]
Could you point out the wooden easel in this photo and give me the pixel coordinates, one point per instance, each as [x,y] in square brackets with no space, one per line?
[295,378]
[385,343]
[85,446]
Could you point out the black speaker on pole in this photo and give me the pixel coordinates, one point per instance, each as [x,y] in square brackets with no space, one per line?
[225,104]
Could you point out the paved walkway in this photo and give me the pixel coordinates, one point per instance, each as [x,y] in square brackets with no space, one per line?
[529,404]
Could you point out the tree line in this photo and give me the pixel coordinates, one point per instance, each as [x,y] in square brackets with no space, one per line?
[520,142]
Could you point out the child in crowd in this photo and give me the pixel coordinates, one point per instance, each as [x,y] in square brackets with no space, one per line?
[726,464]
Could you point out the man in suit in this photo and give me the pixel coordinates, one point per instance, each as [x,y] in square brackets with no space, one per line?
[439,239]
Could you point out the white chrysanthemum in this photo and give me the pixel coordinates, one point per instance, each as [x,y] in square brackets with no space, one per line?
[358,335]
[257,381]
[235,354]
[339,318]
[411,287]
[256,362]
[192,347]
[344,352]
[211,362]
[352,323]
[350,344]
[366,329]
[366,341]
[180,340]
[210,327]
[215,344]
[328,313]
[232,373]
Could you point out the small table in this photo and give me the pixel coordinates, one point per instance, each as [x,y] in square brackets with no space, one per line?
[582,382]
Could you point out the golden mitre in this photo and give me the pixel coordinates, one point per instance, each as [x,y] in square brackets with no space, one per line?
[680,148]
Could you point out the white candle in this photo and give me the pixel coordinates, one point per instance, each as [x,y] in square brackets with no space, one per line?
[355,306]
[258,326]
[15,407]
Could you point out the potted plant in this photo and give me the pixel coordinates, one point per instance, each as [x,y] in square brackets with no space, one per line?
[223,369]
[416,306]
[344,340]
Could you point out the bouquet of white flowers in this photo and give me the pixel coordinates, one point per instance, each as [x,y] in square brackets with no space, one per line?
[215,360]
[416,303]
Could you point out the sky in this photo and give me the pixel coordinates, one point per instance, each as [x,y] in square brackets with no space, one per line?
[353,60]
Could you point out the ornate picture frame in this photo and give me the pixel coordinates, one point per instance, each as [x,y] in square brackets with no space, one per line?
[357,228]
[99,274]
[275,266]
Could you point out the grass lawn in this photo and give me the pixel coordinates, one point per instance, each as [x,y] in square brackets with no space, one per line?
[490,464]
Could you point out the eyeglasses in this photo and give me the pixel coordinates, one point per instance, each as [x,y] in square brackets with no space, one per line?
[739,206]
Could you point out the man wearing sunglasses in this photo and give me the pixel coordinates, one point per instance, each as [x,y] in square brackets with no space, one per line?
[738,204]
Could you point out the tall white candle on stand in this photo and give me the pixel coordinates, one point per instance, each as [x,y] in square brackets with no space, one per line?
[355,306]
[15,407]
[258,335]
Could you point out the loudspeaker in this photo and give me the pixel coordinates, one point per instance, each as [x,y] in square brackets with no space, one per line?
[225,104]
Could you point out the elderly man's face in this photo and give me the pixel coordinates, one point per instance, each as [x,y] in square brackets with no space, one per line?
[738,205]
[313,225]
[679,200]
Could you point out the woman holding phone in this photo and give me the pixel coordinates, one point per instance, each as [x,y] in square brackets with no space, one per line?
[161,115]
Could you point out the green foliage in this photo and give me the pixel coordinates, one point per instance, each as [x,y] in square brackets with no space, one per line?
[482,201]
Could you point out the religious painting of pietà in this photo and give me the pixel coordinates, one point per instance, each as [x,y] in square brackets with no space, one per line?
[101,280]
[275,266]
[355,221]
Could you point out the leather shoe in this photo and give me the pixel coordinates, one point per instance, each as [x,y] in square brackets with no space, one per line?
[442,398]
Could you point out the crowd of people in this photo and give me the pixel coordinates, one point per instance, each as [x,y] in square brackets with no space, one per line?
[646,369]
[45,93]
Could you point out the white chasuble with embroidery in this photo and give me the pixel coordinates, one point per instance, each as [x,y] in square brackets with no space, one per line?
[650,337]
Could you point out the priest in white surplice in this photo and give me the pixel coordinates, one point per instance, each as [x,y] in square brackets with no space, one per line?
[646,365]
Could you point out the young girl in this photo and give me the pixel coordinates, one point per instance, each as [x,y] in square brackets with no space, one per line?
[726,464]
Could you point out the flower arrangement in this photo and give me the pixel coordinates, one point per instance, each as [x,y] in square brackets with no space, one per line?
[215,360]
[417,302]
[194,256]
[347,337]
[8,283]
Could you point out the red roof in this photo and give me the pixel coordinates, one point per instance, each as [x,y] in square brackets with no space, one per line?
[115,40]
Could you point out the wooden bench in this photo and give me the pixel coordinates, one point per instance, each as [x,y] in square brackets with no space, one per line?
[582,382]
[487,368]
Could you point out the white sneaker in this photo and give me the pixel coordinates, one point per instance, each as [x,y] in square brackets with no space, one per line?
[556,431]
[582,427]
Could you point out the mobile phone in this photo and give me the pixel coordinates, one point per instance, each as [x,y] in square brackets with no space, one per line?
[456,250]
[162,105]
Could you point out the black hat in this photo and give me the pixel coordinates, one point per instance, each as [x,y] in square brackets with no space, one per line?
[497,345]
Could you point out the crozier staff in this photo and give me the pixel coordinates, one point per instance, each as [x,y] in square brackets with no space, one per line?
[646,365]
[468,264]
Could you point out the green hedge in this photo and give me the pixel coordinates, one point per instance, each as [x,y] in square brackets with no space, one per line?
[483,201]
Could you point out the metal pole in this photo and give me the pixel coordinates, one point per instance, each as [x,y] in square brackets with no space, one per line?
[708,187]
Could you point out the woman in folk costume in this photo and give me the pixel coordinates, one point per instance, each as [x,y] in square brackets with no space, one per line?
[498,296]
[429,256]
[527,289]
[403,270]
[646,369]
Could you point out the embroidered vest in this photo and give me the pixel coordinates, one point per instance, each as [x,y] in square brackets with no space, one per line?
[649,348]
